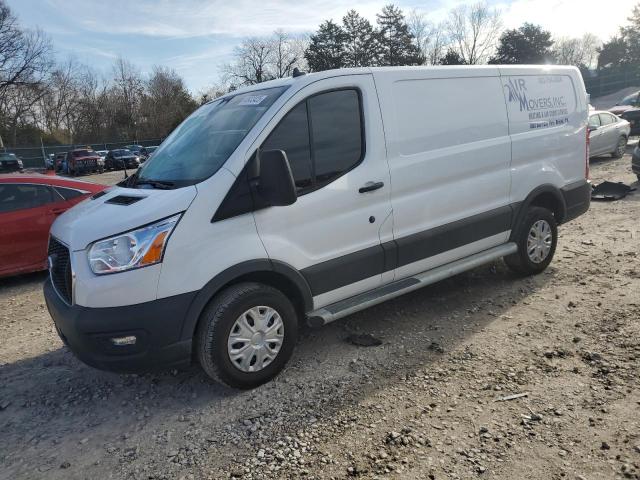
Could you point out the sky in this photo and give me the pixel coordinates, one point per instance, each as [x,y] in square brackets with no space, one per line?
[195,37]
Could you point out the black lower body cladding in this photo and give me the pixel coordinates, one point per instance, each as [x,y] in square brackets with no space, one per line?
[157,326]
[577,198]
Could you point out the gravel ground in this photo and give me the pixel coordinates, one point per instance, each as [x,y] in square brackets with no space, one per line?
[428,403]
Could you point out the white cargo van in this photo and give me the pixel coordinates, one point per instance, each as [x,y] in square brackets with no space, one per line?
[310,198]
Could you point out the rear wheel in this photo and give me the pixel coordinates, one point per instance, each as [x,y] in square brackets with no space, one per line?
[246,335]
[621,147]
[536,237]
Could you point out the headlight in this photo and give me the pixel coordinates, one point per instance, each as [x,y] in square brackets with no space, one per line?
[137,248]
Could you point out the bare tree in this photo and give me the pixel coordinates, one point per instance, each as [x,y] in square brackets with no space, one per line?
[128,88]
[474,31]
[251,63]
[431,39]
[165,104]
[25,56]
[581,52]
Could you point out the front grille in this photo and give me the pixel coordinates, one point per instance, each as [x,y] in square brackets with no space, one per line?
[60,269]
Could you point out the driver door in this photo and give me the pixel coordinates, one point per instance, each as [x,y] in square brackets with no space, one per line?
[333,233]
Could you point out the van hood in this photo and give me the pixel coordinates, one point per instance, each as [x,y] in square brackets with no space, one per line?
[116,211]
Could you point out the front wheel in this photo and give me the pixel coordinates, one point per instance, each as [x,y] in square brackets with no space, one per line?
[536,237]
[621,147]
[246,335]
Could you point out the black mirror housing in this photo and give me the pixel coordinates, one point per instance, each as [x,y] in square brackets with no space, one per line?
[592,128]
[276,184]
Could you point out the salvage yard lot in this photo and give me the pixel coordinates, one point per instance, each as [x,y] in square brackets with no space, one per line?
[421,405]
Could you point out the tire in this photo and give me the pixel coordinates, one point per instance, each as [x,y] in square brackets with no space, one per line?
[621,147]
[219,320]
[524,263]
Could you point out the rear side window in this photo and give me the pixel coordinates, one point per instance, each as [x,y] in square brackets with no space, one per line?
[18,197]
[68,193]
[606,119]
[322,137]
[594,121]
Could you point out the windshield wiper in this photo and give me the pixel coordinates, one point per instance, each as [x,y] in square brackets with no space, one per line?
[159,184]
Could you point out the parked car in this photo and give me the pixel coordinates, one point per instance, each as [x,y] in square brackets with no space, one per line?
[49,161]
[627,103]
[121,158]
[102,153]
[9,162]
[608,134]
[83,160]
[145,152]
[311,198]
[633,117]
[135,149]
[635,161]
[28,206]
[60,162]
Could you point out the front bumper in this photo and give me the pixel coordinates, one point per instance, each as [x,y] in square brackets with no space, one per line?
[157,326]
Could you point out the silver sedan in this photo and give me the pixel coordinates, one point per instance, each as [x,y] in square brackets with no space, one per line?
[608,134]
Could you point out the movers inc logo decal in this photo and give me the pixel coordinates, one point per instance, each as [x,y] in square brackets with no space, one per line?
[543,112]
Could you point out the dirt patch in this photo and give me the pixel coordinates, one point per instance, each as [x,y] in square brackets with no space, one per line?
[427,403]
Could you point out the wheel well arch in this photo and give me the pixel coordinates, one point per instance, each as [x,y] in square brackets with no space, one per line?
[545,196]
[276,274]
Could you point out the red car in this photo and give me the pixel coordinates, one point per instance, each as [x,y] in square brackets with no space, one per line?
[28,206]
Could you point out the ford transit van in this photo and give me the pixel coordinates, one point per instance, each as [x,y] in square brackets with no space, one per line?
[309,198]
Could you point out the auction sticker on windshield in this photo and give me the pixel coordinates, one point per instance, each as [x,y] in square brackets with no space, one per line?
[537,102]
[253,100]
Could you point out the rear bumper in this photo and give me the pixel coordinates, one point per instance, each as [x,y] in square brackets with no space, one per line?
[157,325]
[577,198]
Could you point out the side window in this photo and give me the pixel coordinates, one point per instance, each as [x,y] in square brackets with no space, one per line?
[68,193]
[322,137]
[594,121]
[336,133]
[606,119]
[19,197]
[292,136]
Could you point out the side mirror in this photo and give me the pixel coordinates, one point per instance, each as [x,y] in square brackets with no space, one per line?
[592,128]
[276,184]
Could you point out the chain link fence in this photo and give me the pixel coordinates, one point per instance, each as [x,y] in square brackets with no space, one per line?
[604,83]
[32,157]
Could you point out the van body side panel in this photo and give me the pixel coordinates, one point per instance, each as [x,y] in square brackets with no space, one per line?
[547,119]
[449,154]
[200,249]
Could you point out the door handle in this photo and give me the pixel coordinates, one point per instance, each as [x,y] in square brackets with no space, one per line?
[371,186]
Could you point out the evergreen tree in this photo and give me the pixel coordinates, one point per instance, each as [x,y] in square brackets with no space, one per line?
[529,44]
[396,41]
[452,58]
[612,53]
[631,35]
[327,47]
[361,41]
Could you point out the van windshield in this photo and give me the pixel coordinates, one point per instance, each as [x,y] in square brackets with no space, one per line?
[205,140]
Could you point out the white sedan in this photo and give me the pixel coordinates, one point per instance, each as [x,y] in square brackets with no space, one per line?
[608,134]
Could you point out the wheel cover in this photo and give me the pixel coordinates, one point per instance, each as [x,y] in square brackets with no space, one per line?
[255,339]
[539,241]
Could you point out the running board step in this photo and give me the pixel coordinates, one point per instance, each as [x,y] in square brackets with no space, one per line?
[341,309]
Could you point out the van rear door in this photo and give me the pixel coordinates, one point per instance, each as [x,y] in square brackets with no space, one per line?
[333,137]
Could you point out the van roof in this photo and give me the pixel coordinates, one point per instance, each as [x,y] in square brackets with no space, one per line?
[414,71]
